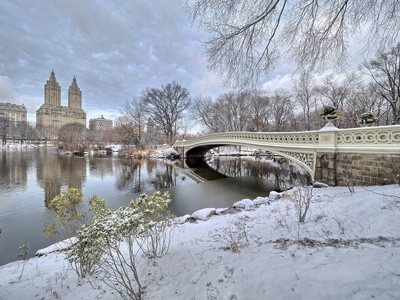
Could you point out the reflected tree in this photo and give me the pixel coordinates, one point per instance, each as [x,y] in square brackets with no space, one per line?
[5,128]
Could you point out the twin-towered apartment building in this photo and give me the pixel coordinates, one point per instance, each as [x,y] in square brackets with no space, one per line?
[52,115]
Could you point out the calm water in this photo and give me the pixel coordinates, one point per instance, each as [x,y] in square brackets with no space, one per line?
[30,178]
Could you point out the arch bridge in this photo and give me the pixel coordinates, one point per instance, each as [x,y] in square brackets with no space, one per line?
[365,156]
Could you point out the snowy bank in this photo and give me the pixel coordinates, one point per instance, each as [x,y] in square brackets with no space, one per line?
[347,248]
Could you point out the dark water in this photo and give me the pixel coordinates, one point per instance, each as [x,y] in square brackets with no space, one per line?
[30,178]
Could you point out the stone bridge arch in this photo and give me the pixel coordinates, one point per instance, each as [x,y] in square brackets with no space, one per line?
[305,159]
[372,154]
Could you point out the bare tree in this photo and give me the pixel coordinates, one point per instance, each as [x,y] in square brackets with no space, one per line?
[24,131]
[246,36]
[363,100]
[134,112]
[234,110]
[166,107]
[206,111]
[127,132]
[385,71]
[73,137]
[304,91]
[5,127]
[259,111]
[336,92]
[281,109]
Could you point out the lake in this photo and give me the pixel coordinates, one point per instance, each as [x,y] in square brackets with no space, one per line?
[30,178]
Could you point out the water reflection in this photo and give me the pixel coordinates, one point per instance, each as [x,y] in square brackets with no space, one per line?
[54,172]
[13,170]
[282,172]
[30,178]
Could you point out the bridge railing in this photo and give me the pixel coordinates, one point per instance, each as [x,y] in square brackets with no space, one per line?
[294,138]
[379,137]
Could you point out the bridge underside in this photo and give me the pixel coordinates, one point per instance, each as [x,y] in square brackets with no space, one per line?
[200,151]
[303,157]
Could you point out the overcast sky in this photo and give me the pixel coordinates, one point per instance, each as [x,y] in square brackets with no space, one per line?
[115,49]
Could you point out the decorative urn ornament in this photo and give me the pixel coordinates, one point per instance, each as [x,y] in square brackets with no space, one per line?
[367,119]
[329,113]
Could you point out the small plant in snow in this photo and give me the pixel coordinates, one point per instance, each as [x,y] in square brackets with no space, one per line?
[348,179]
[238,237]
[302,200]
[67,212]
[23,253]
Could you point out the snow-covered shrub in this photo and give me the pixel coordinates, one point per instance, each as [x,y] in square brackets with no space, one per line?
[67,212]
[114,238]
[157,222]
[85,256]
[109,245]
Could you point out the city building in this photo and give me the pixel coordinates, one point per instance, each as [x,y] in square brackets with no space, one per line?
[16,113]
[52,115]
[100,123]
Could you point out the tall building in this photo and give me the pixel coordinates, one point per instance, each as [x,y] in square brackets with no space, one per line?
[16,113]
[100,124]
[51,115]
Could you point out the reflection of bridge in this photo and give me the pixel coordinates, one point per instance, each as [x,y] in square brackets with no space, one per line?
[371,154]
[200,171]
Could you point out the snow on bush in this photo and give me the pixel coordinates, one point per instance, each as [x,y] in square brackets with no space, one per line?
[112,241]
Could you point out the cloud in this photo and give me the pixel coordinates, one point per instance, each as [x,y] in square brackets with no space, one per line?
[279,82]
[7,93]
[114,48]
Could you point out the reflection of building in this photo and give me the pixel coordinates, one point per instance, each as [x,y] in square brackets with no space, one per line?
[13,169]
[55,172]
[16,113]
[100,124]
[51,115]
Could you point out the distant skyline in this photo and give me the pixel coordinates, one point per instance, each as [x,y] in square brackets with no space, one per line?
[115,49]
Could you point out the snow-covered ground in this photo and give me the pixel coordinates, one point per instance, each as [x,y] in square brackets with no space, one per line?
[348,248]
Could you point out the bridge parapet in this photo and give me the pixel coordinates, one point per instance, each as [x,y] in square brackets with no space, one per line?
[317,151]
[287,138]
